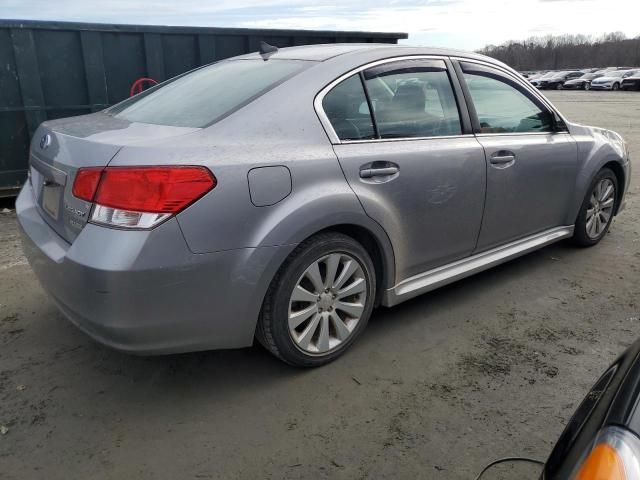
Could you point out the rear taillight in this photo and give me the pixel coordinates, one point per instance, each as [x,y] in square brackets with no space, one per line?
[86,183]
[140,197]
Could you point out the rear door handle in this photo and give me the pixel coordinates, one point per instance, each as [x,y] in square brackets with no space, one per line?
[378,172]
[502,158]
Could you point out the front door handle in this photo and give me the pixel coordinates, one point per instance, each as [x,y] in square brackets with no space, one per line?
[503,158]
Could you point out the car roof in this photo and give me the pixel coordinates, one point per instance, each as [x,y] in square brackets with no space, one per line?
[324,52]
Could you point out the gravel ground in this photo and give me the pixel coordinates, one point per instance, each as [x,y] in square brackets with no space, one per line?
[436,388]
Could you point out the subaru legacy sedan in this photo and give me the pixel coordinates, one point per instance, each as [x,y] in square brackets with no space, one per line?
[283,195]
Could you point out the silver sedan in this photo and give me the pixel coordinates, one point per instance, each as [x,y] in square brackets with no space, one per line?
[284,195]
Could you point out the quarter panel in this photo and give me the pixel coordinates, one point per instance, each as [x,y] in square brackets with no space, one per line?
[281,129]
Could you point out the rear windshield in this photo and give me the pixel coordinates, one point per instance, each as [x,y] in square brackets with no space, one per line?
[203,96]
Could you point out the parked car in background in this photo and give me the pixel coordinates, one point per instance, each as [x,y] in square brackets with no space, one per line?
[535,76]
[606,70]
[283,195]
[542,78]
[556,81]
[611,80]
[582,82]
[601,441]
[632,82]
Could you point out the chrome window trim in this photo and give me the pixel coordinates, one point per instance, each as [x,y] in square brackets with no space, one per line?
[333,137]
[534,91]
[404,139]
[519,134]
[335,140]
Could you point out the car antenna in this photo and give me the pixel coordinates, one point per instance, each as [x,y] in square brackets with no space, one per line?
[266,50]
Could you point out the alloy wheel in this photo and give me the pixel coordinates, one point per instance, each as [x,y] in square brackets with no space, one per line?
[327,303]
[600,208]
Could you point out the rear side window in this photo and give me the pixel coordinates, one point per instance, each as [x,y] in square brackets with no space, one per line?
[503,108]
[348,111]
[205,95]
[413,98]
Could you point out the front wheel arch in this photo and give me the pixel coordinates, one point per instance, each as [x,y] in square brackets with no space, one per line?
[619,173]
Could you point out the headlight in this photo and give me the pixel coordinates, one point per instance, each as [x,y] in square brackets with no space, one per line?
[614,456]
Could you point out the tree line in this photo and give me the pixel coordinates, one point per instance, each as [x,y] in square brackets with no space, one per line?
[568,51]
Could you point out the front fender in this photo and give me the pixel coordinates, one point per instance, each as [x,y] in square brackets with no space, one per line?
[596,148]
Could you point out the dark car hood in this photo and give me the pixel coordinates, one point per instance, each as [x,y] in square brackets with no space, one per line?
[613,400]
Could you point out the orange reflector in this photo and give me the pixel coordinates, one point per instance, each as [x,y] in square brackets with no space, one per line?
[603,463]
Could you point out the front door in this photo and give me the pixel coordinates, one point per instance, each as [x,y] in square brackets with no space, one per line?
[531,162]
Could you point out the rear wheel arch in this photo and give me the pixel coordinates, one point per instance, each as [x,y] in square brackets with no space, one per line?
[384,267]
[377,245]
[372,237]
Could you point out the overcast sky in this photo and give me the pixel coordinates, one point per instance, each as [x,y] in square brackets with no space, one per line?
[466,24]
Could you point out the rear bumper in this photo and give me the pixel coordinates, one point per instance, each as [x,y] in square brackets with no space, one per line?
[143,291]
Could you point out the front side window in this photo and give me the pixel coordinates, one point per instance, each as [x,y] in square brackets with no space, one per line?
[502,108]
[347,109]
[203,96]
[413,98]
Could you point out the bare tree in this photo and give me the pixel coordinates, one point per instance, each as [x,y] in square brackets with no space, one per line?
[568,51]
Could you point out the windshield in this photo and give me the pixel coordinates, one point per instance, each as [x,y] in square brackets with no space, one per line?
[203,96]
[616,74]
[588,76]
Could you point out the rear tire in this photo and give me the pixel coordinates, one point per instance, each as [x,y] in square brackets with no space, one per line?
[615,87]
[597,210]
[587,86]
[319,302]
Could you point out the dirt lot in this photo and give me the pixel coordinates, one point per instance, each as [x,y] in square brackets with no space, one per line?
[489,367]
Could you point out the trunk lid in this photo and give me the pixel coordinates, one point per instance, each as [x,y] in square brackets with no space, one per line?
[60,147]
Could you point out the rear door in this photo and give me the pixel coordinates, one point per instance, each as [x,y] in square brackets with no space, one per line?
[401,142]
[531,158]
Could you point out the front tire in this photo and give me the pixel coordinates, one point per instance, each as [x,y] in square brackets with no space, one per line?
[615,87]
[319,301]
[598,207]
